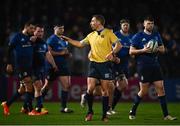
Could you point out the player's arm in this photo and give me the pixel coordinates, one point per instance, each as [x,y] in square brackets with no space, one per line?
[161,49]
[50,59]
[58,53]
[11,47]
[9,67]
[73,42]
[116,48]
[134,51]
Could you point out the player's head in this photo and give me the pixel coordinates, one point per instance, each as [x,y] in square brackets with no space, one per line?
[97,21]
[59,29]
[149,23]
[29,28]
[125,25]
[39,31]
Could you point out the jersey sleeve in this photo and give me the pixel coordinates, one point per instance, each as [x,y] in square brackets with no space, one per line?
[113,37]
[11,46]
[50,42]
[13,40]
[160,42]
[85,41]
[135,41]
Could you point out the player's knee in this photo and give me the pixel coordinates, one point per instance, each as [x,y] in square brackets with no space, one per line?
[105,93]
[143,92]
[21,90]
[161,92]
[90,91]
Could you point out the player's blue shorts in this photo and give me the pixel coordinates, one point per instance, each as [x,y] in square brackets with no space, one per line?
[38,73]
[63,69]
[149,73]
[102,71]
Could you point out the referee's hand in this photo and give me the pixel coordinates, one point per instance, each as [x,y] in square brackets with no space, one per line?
[110,56]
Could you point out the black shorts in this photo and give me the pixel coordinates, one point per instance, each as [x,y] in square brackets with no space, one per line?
[149,73]
[63,71]
[120,72]
[24,72]
[38,74]
[101,70]
[63,67]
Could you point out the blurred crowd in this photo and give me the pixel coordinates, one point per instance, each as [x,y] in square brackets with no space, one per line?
[76,16]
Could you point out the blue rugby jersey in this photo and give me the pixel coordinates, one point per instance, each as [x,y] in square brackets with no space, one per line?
[22,50]
[39,55]
[123,54]
[140,40]
[57,44]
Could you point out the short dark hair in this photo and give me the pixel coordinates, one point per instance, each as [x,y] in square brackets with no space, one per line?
[39,25]
[28,23]
[124,21]
[100,18]
[60,24]
[149,18]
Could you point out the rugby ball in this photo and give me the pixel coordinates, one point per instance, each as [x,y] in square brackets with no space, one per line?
[152,45]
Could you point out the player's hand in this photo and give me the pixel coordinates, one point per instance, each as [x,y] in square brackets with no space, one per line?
[55,68]
[9,69]
[116,60]
[110,56]
[147,50]
[33,38]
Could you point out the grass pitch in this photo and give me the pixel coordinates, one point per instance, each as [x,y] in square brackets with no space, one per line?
[148,114]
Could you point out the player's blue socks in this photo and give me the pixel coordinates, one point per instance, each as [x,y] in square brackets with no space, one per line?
[64,97]
[163,103]
[39,103]
[44,92]
[89,98]
[105,101]
[13,98]
[28,100]
[137,100]
[116,97]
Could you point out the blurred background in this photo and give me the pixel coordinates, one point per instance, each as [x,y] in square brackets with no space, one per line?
[76,16]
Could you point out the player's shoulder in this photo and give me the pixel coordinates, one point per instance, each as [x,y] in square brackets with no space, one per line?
[138,34]
[15,36]
[51,38]
[117,32]
[107,30]
[156,33]
[91,33]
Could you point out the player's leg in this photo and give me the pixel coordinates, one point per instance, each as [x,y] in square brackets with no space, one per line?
[121,85]
[65,82]
[111,95]
[91,83]
[105,98]
[29,92]
[7,104]
[96,92]
[159,86]
[49,77]
[143,91]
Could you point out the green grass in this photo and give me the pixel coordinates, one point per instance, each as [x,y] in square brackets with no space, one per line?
[148,114]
